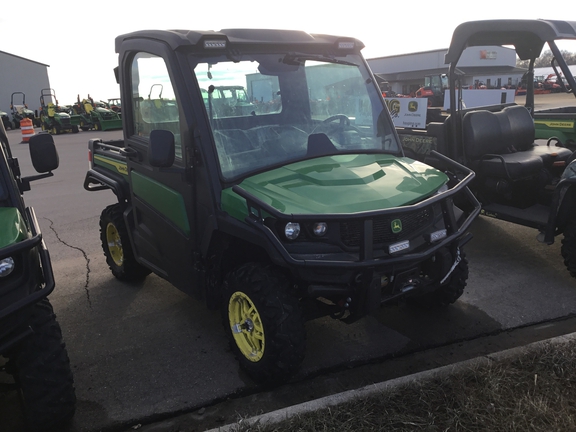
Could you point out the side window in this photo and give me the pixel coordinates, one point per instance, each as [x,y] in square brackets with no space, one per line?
[154,102]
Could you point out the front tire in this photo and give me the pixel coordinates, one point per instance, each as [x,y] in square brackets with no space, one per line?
[117,247]
[264,323]
[452,290]
[42,370]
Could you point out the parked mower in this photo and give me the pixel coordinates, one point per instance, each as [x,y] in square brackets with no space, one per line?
[21,111]
[54,118]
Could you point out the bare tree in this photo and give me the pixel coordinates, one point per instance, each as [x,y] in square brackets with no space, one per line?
[545,59]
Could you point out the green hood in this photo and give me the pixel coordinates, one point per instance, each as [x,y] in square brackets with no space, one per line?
[13,229]
[339,184]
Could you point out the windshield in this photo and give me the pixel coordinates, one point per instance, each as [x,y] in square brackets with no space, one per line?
[267,110]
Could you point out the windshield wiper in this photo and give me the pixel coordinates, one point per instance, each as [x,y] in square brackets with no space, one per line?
[299,59]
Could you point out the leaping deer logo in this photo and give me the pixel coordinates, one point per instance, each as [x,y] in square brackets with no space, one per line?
[396,226]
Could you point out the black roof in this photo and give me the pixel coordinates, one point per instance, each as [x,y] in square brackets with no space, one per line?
[527,36]
[182,38]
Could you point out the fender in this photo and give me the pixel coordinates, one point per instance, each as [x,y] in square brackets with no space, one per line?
[564,201]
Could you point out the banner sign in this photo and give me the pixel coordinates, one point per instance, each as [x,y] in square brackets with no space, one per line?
[408,112]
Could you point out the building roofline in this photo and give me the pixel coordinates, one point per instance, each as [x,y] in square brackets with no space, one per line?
[24,58]
[409,54]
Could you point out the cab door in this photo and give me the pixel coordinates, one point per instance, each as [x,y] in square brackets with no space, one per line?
[162,198]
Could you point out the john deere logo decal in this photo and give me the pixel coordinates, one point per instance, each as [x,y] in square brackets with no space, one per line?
[412,106]
[396,226]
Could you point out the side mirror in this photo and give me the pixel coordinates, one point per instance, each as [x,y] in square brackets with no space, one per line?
[162,149]
[43,153]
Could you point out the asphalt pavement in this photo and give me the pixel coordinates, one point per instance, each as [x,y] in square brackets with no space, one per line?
[146,352]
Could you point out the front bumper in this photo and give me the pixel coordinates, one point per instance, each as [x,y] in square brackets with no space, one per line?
[367,256]
[34,284]
[363,272]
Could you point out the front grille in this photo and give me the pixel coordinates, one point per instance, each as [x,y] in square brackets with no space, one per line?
[65,121]
[351,231]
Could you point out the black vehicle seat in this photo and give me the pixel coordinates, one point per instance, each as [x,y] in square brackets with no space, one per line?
[491,150]
[517,122]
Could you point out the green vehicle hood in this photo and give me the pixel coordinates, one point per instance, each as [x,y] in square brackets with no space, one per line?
[12,226]
[339,184]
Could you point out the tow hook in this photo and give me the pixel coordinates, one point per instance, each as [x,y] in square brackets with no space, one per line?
[456,262]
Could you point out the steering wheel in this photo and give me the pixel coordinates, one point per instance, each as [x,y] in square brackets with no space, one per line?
[344,120]
[338,131]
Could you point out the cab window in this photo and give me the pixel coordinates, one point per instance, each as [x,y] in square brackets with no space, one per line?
[153,98]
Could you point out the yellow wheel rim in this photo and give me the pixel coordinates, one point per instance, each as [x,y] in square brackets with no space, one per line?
[114,244]
[246,326]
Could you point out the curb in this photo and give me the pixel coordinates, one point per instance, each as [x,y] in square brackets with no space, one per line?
[340,398]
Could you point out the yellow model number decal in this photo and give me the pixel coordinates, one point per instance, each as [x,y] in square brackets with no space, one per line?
[121,167]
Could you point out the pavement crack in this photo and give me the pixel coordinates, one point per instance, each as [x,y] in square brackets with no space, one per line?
[87,282]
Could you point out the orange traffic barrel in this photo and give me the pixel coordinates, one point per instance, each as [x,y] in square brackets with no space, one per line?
[27,129]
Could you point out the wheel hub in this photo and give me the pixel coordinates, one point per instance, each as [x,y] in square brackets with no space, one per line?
[246,326]
[114,244]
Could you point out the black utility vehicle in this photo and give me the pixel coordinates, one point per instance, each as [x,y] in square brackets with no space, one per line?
[30,337]
[267,179]
[519,178]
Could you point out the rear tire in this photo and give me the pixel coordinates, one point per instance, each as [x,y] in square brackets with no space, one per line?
[568,248]
[117,247]
[264,323]
[42,371]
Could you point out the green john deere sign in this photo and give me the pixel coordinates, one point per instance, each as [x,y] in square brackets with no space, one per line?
[396,225]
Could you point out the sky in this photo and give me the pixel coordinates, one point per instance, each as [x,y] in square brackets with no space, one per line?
[76,40]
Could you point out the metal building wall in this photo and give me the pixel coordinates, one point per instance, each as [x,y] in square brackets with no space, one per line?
[21,75]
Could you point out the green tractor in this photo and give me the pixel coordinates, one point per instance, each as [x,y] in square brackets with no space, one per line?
[102,118]
[54,118]
[21,111]
[81,109]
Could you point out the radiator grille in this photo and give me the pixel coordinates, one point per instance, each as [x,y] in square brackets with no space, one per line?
[351,231]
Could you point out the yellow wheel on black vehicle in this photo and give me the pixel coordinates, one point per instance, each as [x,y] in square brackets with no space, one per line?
[246,326]
[117,247]
[264,322]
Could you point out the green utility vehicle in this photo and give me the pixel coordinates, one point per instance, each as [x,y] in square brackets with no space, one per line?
[31,347]
[21,111]
[54,118]
[519,179]
[304,206]
[115,105]
[6,122]
[557,124]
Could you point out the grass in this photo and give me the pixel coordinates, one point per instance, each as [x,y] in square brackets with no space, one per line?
[533,392]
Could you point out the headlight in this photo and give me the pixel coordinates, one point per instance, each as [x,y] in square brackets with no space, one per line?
[320,228]
[6,266]
[292,230]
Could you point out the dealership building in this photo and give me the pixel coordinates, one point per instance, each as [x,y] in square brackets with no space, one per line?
[491,66]
[21,75]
